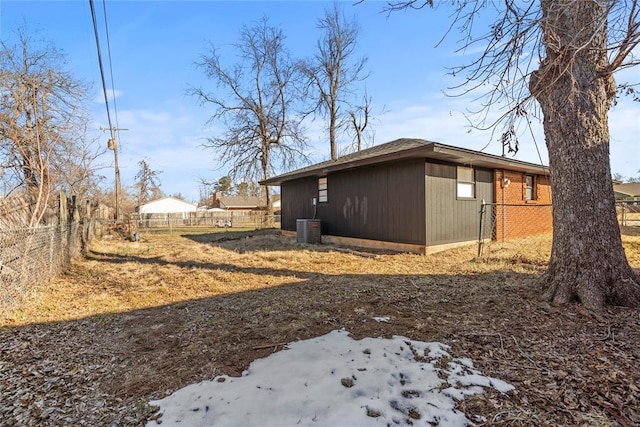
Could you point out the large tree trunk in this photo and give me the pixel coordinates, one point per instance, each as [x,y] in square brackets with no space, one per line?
[575,90]
[332,133]
[266,161]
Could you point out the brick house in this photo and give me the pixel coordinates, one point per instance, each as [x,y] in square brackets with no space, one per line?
[523,204]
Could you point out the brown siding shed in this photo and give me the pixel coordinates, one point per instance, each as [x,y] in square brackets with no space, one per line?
[402,193]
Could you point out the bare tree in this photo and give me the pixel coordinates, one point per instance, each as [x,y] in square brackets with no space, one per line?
[127,199]
[206,194]
[79,167]
[256,101]
[39,112]
[359,120]
[560,56]
[334,70]
[147,183]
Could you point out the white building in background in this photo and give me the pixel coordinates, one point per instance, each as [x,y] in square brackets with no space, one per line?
[168,205]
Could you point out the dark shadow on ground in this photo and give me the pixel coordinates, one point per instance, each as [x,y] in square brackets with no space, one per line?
[243,242]
[564,363]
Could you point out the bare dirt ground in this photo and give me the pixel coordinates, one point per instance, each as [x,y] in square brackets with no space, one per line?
[136,321]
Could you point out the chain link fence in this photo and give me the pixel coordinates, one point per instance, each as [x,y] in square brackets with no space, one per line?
[521,232]
[628,213]
[203,220]
[524,232]
[32,256]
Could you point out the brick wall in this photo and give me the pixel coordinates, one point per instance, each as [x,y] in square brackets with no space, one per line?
[516,217]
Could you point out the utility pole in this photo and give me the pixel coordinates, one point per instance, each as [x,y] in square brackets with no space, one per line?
[112,144]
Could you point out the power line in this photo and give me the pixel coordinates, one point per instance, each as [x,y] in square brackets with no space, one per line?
[114,131]
[104,85]
[113,90]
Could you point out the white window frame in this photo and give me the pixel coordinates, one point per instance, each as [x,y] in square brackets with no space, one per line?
[529,190]
[465,182]
[323,190]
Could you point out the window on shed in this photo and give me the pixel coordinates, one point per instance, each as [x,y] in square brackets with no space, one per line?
[466,187]
[323,195]
[529,187]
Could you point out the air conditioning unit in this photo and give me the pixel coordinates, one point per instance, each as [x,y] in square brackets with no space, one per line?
[308,230]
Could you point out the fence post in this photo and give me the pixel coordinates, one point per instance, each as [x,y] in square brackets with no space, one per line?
[51,251]
[480,231]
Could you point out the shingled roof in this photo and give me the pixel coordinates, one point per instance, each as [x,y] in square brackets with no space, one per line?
[630,189]
[408,148]
[238,202]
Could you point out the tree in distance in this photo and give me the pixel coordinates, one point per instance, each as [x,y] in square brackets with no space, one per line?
[147,183]
[256,102]
[332,74]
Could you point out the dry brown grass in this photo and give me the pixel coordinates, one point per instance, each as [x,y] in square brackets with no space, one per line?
[134,321]
[120,276]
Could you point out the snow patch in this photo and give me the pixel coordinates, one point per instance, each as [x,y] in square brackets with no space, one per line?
[333,380]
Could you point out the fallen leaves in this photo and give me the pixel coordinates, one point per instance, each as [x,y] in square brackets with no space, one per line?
[131,324]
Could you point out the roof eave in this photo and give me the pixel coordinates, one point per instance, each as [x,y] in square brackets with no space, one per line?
[326,168]
[432,150]
[490,161]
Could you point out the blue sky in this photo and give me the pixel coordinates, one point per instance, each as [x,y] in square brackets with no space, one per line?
[154,45]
